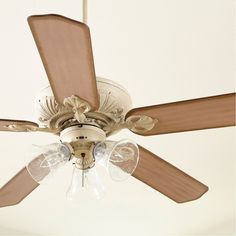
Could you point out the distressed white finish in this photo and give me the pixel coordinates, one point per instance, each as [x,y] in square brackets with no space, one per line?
[114,102]
[160,51]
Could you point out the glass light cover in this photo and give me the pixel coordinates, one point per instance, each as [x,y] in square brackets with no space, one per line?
[119,158]
[85,183]
[48,160]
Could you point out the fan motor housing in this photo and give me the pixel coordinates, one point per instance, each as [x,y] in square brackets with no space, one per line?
[82,138]
[82,133]
[114,102]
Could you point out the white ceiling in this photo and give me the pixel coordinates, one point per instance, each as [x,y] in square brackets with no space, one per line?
[161,51]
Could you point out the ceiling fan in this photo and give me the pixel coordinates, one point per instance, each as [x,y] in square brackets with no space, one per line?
[84,110]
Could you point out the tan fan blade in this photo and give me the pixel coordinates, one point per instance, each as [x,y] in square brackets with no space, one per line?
[19,187]
[8,125]
[167,179]
[196,114]
[66,52]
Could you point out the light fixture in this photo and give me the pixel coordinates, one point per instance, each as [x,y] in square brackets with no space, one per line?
[86,182]
[51,157]
[119,158]
[87,148]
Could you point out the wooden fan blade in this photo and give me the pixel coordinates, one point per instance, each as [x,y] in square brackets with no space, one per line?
[167,179]
[196,114]
[66,52]
[7,125]
[20,186]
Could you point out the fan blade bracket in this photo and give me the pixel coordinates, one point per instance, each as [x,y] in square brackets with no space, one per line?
[137,123]
[29,128]
[140,123]
[189,115]
[17,125]
[21,128]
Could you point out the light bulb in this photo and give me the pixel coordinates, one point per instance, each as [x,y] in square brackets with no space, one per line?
[85,183]
[48,160]
[119,158]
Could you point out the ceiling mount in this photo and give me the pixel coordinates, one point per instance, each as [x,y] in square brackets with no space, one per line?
[84,110]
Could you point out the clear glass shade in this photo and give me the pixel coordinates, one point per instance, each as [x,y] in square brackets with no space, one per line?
[119,158]
[85,183]
[48,159]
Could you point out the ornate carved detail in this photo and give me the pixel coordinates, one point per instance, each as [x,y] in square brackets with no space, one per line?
[109,103]
[78,106]
[115,102]
[22,128]
[48,107]
[30,128]
[140,124]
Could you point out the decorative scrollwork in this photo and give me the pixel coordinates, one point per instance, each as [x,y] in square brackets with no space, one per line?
[78,106]
[140,124]
[30,128]
[22,128]
[114,102]
[48,107]
[109,103]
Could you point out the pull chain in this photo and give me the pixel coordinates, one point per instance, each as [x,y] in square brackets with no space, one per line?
[83,156]
[82,177]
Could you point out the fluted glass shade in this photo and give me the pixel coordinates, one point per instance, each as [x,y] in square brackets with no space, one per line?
[49,159]
[119,158]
